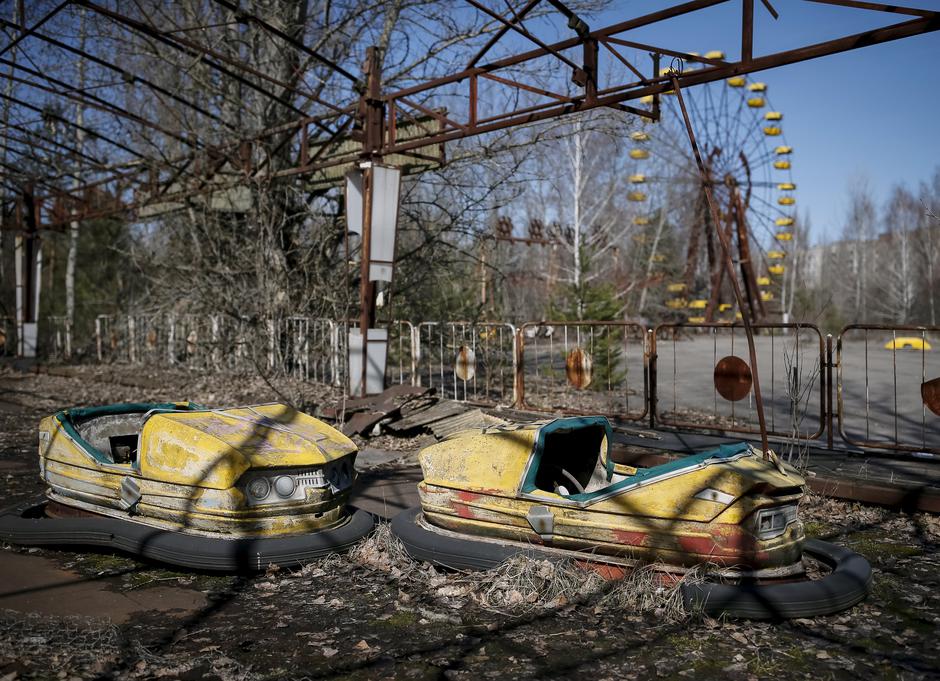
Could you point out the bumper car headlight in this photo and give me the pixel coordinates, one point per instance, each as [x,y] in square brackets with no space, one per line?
[285,485]
[259,488]
[772,522]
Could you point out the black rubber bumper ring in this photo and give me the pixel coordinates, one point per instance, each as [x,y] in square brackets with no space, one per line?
[27,526]
[847,584]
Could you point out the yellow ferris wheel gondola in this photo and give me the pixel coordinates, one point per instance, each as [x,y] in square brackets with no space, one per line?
[737,81]
[786,186]
[756,102]
[773,116]
[786,200]
[782,165]
[696,320]
[776,255]
[784,236]
[763,281]
[699,304]
[637,178]
[676,288]
[641,220]
[783,150]
[783,222]
[639,154]
[776,269]
[772,130]
[676,303]
[636,196]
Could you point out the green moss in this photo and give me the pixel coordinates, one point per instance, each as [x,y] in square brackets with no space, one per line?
[873,546]
[815,528]
[400,620]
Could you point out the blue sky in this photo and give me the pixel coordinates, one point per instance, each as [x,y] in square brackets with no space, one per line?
[869,113]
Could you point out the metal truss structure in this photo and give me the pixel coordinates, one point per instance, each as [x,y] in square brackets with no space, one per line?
[409,125]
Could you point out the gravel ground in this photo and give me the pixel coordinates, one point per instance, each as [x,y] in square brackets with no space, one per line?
[376,614]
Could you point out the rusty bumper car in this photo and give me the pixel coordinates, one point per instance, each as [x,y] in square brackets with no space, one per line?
[232,489]
[552,489]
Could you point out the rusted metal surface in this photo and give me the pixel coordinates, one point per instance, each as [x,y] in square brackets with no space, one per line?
[465,366]
[578,365]
[930,392]
[733,378]
[334,122]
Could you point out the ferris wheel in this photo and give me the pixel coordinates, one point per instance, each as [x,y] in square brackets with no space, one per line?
[748,167]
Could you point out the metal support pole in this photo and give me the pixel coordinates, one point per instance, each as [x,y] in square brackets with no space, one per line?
[729,267]
[372,111]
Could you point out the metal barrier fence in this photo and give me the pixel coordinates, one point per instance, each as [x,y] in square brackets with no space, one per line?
[468,361]
[584,367]
[703,381]
[879,389]
[888,382]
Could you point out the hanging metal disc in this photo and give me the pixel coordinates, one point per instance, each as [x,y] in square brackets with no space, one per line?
[465,365]
[930,392]
[578,368]
[733,378]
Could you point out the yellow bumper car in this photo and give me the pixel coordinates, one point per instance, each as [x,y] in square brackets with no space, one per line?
[552,488]
[230,489]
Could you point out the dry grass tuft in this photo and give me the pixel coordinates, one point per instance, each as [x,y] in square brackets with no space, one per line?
[383,551]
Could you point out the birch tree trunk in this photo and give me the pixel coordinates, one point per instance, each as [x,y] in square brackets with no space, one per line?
[74,225]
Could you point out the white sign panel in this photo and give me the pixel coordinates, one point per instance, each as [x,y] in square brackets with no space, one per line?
[386,182]
[375,362]
[354,202]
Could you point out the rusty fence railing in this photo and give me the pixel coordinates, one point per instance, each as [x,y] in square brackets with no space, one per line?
[701,379]
[871,386]
[584,367]
[469,361]
[888,387]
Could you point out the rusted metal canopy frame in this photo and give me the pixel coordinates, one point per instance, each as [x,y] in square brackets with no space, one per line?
[897,445]
[655,85]
[662,330]
[926,21]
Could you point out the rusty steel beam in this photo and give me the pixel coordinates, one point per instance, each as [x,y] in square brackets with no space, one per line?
[452,126]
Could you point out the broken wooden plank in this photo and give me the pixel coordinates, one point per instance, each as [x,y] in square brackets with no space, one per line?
[471,420]
[441,410]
